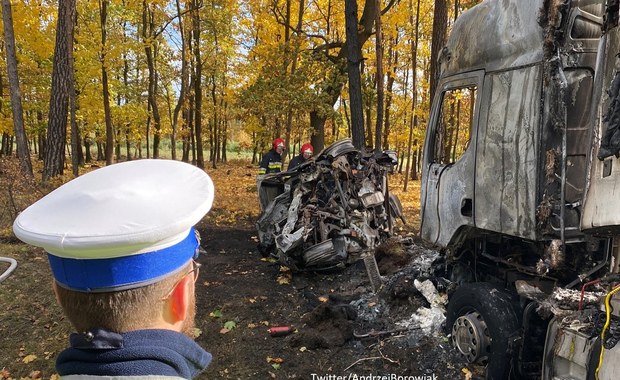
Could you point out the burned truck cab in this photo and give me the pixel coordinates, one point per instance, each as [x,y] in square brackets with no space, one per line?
[507,171]
[509,123]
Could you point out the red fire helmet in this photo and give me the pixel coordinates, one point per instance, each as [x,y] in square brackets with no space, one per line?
[307,148]
[277,142]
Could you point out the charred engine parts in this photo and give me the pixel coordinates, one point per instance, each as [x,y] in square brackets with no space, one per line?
[335,207]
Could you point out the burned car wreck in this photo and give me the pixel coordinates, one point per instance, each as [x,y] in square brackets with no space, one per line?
[335,207]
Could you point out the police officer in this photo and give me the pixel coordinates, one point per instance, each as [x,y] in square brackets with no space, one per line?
[304,155]
[271,163]
[123,252]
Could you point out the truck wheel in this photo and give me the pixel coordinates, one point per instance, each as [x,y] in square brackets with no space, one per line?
[481,318]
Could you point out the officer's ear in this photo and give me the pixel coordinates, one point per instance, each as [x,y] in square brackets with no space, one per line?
[176,305]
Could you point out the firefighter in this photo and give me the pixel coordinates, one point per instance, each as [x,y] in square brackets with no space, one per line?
[272,160]
[271,163]
[304,155]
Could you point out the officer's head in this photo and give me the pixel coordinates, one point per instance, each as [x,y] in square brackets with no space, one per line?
[122,245]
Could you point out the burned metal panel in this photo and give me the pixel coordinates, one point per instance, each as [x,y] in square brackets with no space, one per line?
[473,42]
[571,350]
[602,199]
[578,128]
[508,153]
[448,190]
[447,194]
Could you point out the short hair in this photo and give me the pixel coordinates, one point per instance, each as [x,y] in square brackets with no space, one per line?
[119,311]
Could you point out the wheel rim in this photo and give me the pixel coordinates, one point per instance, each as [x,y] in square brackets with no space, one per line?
[470,336]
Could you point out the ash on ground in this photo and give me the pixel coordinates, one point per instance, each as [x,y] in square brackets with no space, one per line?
[402,323]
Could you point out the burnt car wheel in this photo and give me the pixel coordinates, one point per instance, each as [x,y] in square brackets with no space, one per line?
[481,318]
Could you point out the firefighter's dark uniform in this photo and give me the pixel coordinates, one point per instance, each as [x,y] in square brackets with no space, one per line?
[271,163]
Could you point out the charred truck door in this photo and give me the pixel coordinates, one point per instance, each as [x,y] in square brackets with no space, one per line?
[449,159]
[481,163]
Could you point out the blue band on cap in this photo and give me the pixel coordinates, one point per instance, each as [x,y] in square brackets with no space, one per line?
[122,272]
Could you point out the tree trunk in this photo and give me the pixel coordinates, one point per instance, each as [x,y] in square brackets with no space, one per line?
[332,91]
[225,133]
[87,144]
[353,70]
[150,49]
[200,162]
[213,123]
[16,97]
[77,158]
[109,131]
[184,80]
[41,137]
[440,26]
[393,58]
[379,55]
[54,159]
[414,60]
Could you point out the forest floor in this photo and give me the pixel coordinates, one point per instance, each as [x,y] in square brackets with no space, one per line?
[240,296]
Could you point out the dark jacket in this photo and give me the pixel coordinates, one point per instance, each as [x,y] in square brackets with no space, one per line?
[296,161]
[271,163]
[136,353]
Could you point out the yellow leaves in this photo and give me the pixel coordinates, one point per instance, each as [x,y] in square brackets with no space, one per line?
[467,372]
[284,280]
[29,358]
[323,299]
[286,276]
[274,360]
[236,197]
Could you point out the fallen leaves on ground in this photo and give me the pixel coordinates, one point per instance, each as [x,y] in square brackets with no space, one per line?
[29,358]
[284,279]
[230,325]
[468,374]
[274,360]
[4,374]
[216,314]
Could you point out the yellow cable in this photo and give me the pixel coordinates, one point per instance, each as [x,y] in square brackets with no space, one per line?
[607,322]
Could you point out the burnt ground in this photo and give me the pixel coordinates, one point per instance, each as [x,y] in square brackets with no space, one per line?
[248,295]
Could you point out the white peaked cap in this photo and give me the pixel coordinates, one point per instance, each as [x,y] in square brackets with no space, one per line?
[121,226]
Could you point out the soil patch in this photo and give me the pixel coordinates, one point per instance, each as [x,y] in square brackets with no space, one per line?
[329,312]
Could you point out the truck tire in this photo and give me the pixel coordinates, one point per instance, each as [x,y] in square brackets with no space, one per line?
[480,320]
